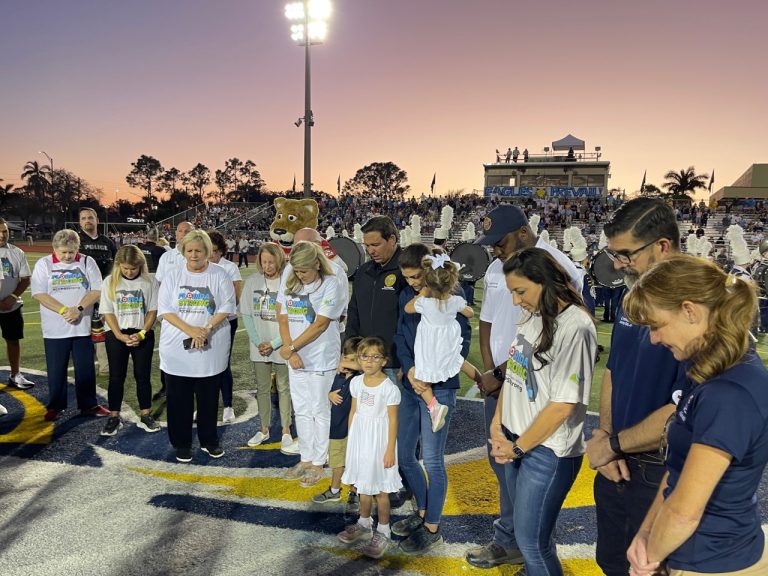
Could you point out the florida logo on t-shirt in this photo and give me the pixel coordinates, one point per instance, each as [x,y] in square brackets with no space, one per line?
[7,268]
[129,301]
[196,300]
[68,279]
[519,373]
[299,307]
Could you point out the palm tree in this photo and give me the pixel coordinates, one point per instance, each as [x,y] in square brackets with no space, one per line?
[38,179]
[684,183]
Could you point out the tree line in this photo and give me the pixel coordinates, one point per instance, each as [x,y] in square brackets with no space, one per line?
[51,197]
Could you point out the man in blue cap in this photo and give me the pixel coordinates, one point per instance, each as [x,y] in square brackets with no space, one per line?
[507,231]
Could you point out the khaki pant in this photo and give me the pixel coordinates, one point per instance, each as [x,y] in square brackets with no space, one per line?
[759,569]
[264,392]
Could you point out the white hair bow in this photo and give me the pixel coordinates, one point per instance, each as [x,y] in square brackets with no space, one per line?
[439,260]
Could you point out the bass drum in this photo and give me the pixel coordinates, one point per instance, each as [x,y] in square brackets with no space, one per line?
[760,276]
[602,270]
[350,251]
[475,259]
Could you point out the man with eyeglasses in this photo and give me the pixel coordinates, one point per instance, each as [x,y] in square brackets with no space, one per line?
[641,384]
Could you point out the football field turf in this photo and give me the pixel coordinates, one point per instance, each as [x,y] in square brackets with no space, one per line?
[73,502]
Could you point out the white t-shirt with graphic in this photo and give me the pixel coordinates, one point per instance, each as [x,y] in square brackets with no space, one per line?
[134,299]
[567,377]
[499,311]
[341,276]
[258,301]
[195,297]
[67,283]
[234,274]
[13,267]
[324,297]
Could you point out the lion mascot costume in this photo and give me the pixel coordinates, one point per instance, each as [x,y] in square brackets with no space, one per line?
[290,217]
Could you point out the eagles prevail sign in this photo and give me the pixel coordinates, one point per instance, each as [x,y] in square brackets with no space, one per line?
[545,191]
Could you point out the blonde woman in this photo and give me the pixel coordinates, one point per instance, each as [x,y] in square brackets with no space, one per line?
[195,300]
[258,308]
[129,306]
[309,305]
[705,518]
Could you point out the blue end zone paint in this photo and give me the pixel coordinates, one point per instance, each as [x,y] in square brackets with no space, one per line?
[574,525]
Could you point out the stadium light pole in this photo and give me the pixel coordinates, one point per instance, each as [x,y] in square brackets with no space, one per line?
[49,158]
[310,26]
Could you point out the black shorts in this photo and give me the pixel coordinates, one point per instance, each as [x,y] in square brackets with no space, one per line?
[12,325]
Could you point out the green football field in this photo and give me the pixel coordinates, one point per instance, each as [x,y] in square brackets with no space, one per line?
[33,356]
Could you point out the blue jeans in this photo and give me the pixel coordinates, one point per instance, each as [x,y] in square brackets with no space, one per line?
[392,375]
[57,352]
[537,485]
[621,508]
[414,425]
[503,528]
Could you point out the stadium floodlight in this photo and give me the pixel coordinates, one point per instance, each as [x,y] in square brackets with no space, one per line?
[309,25]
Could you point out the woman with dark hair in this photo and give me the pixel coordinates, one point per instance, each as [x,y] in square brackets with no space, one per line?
[217,257]
[705,518]
[537,431]
[426,474]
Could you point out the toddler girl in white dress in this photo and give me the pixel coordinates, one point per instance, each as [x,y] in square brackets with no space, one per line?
[437,349]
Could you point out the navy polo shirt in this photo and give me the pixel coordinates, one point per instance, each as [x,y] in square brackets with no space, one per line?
[644,376]
[340,412]
[730,413]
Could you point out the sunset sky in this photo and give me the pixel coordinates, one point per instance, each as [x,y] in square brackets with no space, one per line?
[433,86]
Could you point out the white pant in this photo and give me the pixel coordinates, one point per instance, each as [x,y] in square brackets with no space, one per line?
[312,410]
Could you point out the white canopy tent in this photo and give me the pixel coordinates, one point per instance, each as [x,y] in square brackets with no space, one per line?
[568,142]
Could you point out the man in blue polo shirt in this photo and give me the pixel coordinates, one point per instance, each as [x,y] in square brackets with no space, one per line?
[641,385]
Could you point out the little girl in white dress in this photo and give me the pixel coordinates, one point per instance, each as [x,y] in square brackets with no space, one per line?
[371,459]
[437,348]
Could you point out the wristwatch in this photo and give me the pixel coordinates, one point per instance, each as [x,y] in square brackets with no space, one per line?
[80,308]
[292,348]
[519,452]
[615,445]
[498,374]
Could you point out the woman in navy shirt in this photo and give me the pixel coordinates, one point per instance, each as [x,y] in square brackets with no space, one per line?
[705,518]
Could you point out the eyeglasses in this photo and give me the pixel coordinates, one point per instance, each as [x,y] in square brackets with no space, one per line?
[374,358]
[625,258]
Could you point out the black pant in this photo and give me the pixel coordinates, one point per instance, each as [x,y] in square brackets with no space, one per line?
[243,259]
[118,354]
[184,392]
[621,508]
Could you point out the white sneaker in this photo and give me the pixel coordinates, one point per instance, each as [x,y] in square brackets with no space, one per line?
[258,438]
[291,449]
[229,415]
[20,382]
[194,416]
[3,410]
[437,414]
[286,441]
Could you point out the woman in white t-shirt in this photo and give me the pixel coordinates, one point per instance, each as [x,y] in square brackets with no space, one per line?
[217,257]
[260,319]
[67,284]
[195,301]
[129,307]
[309,305]
[537,430]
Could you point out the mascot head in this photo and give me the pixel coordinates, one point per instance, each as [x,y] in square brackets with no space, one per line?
[290,217]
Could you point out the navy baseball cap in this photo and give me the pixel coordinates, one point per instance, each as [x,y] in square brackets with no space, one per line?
[502,220]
